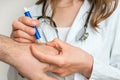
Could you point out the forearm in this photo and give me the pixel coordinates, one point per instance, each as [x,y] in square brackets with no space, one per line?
[3,47]
[7,47]
[20,57]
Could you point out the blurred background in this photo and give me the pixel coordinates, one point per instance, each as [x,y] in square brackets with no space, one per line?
[10,10]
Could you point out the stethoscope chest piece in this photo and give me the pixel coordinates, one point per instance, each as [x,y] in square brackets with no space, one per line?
[82,34]
[84,37]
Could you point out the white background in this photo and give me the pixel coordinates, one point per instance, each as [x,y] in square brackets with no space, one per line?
[10,10]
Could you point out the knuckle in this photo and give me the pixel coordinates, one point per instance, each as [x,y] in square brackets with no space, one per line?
[18,39]
[62,63]
[14,24]
[27,29]
[25,20]
[21,18]
[18,33]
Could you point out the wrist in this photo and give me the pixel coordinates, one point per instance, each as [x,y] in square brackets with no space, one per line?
[8,49]
[88,66]
[4,47]
[16,53]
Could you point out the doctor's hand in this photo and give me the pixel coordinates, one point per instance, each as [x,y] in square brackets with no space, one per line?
[23,31]
[69,60]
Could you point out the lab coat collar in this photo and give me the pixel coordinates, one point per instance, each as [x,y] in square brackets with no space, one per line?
[79,21]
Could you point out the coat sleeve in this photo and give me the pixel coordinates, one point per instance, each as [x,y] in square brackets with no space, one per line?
[109,71]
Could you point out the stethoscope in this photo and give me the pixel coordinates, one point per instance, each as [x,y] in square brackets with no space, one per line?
[83,34]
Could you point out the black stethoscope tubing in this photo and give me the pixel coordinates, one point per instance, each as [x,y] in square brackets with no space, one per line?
[84,35]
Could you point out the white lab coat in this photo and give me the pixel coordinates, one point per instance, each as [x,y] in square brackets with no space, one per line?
[102,45]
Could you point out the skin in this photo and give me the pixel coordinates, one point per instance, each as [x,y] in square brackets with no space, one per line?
[18,54]
[70,59]
[22,30]
[60,64]
[66,11]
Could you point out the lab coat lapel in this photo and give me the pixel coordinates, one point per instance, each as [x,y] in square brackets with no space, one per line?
[78,22]
[49,33]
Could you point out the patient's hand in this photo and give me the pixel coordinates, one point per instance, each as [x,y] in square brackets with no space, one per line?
[21,58]
[45,49]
